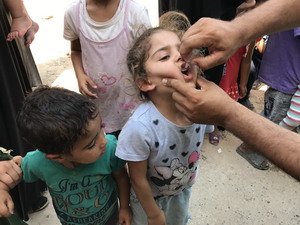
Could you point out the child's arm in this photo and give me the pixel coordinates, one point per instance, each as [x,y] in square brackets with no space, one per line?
[292,119]
[245,69]
[83,80]
[122,179]
[139,182]
[6,204]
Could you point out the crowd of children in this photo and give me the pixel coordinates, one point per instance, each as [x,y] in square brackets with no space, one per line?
[93,185]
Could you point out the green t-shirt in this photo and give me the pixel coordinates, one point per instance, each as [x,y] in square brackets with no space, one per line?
[86,194]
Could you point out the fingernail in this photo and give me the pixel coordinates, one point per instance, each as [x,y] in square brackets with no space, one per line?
[164,81]
[185,65]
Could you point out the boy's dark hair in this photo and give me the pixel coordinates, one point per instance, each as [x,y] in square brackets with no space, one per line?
[53,119]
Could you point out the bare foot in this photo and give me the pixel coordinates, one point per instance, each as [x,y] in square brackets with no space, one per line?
[19,27]
[30,34]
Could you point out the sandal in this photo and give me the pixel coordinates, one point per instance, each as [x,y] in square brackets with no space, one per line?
[256,160]
[214,139]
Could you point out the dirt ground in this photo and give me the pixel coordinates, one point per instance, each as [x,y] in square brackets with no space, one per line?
[228,191]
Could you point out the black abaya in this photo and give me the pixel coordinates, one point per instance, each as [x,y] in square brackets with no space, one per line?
[18,73]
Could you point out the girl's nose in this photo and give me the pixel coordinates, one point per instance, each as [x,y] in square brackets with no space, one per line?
[178,58]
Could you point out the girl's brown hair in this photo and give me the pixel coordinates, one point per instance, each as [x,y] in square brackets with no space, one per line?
[138,55]
[175,21]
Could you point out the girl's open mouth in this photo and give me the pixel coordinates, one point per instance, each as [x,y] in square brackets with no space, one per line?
[186,72]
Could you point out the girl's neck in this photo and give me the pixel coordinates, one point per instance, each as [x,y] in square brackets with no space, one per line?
[166,106]
[102,10]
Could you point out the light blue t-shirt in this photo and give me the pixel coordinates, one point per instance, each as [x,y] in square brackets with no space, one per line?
[86,194]
[172,151]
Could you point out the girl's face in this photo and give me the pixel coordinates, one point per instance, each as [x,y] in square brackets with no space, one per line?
[165,61]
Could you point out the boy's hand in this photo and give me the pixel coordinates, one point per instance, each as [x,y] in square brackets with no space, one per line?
[125,216]
[10,173]
[158,219]
[6,204]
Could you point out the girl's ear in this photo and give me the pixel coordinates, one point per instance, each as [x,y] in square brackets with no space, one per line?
[145,85]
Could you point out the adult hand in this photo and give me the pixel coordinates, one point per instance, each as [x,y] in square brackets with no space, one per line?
[6,204]
[10,173]
[209,105]
[220,37]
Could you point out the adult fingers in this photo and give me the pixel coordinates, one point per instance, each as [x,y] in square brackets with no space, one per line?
[6,208]
[18,160]
[188,43]
[179,86]
[212,60]
[10,180]
[11,173]
[10,206]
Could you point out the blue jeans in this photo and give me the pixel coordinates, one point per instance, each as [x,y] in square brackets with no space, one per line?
[175,208]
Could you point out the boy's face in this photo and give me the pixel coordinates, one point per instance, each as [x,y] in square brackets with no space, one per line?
[165,60]
[90,147]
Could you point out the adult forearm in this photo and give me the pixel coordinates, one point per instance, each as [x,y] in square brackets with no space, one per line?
[279,145]
[270,17]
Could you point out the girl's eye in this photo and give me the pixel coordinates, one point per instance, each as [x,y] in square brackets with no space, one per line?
[164,58]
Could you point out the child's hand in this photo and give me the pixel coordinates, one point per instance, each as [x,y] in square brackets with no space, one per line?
[242,91]
[125,216]
[157,220]
[10,173]
[83,82]
[6,204]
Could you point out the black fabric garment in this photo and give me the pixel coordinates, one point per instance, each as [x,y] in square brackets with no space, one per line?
[18,73]
[196,9]
[12,220]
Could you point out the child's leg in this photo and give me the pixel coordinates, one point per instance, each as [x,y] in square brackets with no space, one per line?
[21,21]
[176,207]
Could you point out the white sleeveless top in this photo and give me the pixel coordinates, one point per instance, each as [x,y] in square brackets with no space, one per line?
[105,63]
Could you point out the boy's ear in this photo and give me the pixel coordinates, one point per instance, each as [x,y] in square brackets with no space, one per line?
[55,157]
[145,85]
